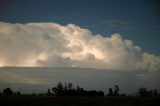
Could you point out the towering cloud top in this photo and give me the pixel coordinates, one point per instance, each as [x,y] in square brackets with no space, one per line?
[54,45]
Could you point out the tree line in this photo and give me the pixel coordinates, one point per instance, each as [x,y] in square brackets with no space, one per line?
[67,89]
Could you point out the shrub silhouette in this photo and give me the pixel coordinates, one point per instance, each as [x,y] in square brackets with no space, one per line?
[115,92]
[7,92]
[144,92]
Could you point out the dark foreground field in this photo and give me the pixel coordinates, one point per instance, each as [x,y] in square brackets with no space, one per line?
[78,101]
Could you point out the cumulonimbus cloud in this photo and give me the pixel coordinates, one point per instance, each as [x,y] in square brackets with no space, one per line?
[54,45]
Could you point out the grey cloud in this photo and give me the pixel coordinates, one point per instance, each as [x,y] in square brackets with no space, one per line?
[100,79]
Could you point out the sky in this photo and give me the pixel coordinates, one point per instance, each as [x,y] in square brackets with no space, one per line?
[110,35]
[133,19]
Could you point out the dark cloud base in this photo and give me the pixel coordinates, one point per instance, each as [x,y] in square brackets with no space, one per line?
[40,78]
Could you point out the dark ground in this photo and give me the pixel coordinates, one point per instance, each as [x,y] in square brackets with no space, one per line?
[78,101]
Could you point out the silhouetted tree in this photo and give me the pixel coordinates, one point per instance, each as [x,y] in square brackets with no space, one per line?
[116,90]
[70,91]
[60,86]
[49,92]
[70,85]
[142,91]
[110,92]
[78,88]
[65,86]
[7,92]
[55,90]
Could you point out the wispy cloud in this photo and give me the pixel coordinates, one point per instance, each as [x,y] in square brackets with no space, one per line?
[54,45]
[117,24]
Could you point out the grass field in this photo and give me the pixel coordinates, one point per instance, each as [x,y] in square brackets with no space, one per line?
[78,101]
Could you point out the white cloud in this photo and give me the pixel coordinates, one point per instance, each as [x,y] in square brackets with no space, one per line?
[54,45]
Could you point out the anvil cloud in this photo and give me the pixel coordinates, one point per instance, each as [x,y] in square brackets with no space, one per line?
[54,45]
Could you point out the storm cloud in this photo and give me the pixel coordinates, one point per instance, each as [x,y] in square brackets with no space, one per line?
[55,45]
